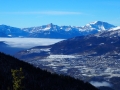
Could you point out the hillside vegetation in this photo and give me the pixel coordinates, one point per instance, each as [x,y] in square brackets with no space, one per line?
[35,78]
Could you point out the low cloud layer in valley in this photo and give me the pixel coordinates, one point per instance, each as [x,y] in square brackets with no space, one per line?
[28,42]
[14,45]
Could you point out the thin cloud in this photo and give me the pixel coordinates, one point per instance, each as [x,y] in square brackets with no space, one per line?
[45,13]
[60,13]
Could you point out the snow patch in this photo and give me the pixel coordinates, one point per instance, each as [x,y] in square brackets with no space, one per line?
[61,56]
[38,50]
[47,28]
[116,28]
[94,22]
[10,35]
[99,84]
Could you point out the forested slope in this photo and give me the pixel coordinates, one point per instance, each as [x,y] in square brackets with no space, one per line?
[35,78]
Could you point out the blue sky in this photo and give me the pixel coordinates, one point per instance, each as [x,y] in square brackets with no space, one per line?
[28,13]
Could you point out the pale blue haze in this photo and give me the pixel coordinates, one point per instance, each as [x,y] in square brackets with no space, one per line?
[28,13]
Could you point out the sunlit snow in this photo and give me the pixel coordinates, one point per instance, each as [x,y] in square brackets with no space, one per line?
[116,28]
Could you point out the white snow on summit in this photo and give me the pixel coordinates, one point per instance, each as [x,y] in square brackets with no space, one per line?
[47,28]
[116,28]
[102,27]
[55,31]
[94,22]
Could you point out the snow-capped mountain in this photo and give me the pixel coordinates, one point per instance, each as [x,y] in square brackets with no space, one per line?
[92,57]
[55,31]
[98,25]
[113,32]
[8,31]
[116,28]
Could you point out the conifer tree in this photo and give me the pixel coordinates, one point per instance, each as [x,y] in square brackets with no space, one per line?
[17,78]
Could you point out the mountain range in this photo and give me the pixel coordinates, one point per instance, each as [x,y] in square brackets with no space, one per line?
[90,52]
[91,58]
[55,31]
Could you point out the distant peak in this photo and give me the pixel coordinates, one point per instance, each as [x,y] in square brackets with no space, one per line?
[3,25]
[96,22]
[50,25]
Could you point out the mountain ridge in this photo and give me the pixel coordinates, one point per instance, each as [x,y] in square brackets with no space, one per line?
[55,31]
[80,57]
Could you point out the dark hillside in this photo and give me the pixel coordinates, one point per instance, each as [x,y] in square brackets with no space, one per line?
[87,44]
[35,78]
